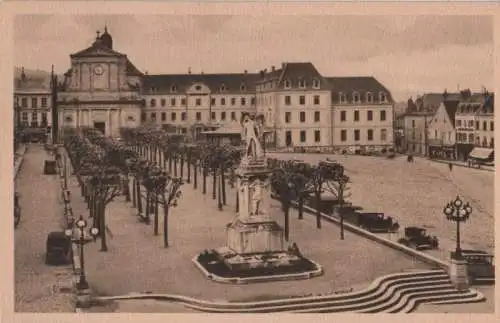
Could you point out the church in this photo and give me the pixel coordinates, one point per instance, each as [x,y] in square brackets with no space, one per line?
[101,89]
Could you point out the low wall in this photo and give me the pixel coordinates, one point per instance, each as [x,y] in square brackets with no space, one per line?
[19,161]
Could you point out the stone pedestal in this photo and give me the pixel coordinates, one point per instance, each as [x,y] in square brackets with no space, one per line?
[83,298]
[255,235]
[458,274]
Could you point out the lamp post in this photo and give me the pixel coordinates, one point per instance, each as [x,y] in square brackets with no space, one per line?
[457,211]
[81,224]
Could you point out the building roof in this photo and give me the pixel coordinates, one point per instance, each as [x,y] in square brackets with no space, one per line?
[347,85]
[163,83]
[98,48]
[294,72]
[451,108]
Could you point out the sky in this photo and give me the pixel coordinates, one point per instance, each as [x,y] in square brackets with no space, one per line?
[410,55]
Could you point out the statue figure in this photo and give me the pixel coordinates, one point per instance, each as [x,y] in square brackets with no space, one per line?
[251,135]
[256,197]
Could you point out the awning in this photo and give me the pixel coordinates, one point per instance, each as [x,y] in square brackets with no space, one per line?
[481,153]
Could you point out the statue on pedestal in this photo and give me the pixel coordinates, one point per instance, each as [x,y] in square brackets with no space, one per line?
[251,135]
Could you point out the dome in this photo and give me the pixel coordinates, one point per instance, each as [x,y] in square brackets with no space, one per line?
[106,38]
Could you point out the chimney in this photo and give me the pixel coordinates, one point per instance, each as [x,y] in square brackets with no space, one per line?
[265,71]
[273,68]
[189,70]
[261,74]
[283,65]
[202,73]
[246,72]
[445,94]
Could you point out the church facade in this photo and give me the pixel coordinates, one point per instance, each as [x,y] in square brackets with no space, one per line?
[101,89]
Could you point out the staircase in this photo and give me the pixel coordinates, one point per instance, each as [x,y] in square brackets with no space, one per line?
[397,293]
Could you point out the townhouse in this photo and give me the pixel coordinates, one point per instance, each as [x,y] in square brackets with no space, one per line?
[441,131]
[32,102]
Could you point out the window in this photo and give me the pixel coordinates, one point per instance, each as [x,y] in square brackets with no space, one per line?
[233,116]
[243,87]
[316,84]
[212,101]
[212,115]
[288,84]
[163,116]
[183,116]
[302,136]
[172,102]
[243,101]
[382,97]
[485,125]
[162,102]
[369,97]
[173,89]
[173,116]
[302,99]
[341,97]
[458,123]
[222,101]
[343,135]
[369,115]
[491,126]
[198,102]
[24,116]
[492,142]
[302,84]
[356,135]
[316,116]
[316,99]
[223,116]
[197,87]
[44,102]
[233,101]
[477,125]
[152,103]
[478,140]
[435,134]
[471,138]
[198,116]
[317,136]
[222,88]
[343,115]
[302,116]
[382,115]
[253,101]
[356,115]
[288,100]
[34,103]
[288,117]
[183,101]
[153,115]
[24,102]
[383,135]
[355,97]
[369,134]
[34,116]
[44,119]
[143,116]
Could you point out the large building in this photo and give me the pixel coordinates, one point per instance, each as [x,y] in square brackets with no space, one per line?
[441,131]
[32,102]
[104,90]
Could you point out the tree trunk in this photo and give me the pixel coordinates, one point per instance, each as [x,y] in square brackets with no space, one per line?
[301,207]
[204,190]
[175,166]
[182,166]
[134,200]
[318,213]
[219,201]
[127,188]
[102,217]
[214,185]
[148,206]
[139,198]
[223,183]
[156,215]
[286,210]
[165,224]
[195,176]
[237,201]
[188,169]
[170,163]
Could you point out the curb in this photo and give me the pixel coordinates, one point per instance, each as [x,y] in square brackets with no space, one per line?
[454,163]
[259,279]
[20,160]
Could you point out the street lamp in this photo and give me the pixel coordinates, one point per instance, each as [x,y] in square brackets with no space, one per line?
[458,212]
[81,224]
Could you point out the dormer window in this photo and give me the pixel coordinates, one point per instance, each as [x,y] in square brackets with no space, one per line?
[197,87]
[153,89]
[341,97]
[316,84]
[382,97]
[222,88]
[355,97]
[288,84]
[243,87]
[302,84]
[173,88]
[369,97]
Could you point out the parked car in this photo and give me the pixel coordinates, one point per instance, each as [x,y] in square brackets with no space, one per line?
[50,167]
[58,249]
[416,237]
[480,266]
[376,222]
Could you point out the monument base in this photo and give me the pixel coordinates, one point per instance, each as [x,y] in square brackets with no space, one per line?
[254,235]
[458,274]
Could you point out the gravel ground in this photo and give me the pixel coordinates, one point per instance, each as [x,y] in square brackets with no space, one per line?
[36,284]
[138,262]
[415,194]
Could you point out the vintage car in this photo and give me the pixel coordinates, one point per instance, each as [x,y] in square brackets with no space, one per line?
[50,167]
[376,222]
[418,238]
[480,266]
[58,249]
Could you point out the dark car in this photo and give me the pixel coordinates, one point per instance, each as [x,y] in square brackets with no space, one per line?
[376,222]
[50,167]
[418,238]
[480,266]
[58,249]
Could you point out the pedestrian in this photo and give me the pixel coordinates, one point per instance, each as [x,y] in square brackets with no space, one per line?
[450,166]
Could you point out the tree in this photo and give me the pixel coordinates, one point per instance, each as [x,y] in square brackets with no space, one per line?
[169,196]
[301,173]
[320,174]
[339,187]
[282,185]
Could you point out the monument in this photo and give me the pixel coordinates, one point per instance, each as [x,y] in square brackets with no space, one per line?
[254,241]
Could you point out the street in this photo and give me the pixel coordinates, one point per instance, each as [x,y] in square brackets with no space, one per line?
[36,284]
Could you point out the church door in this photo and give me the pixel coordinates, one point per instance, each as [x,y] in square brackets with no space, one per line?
[100,126]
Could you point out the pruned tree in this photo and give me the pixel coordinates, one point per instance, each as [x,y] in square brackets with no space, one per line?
[169,196]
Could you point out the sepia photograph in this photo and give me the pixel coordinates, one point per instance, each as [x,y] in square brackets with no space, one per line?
[236,163]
